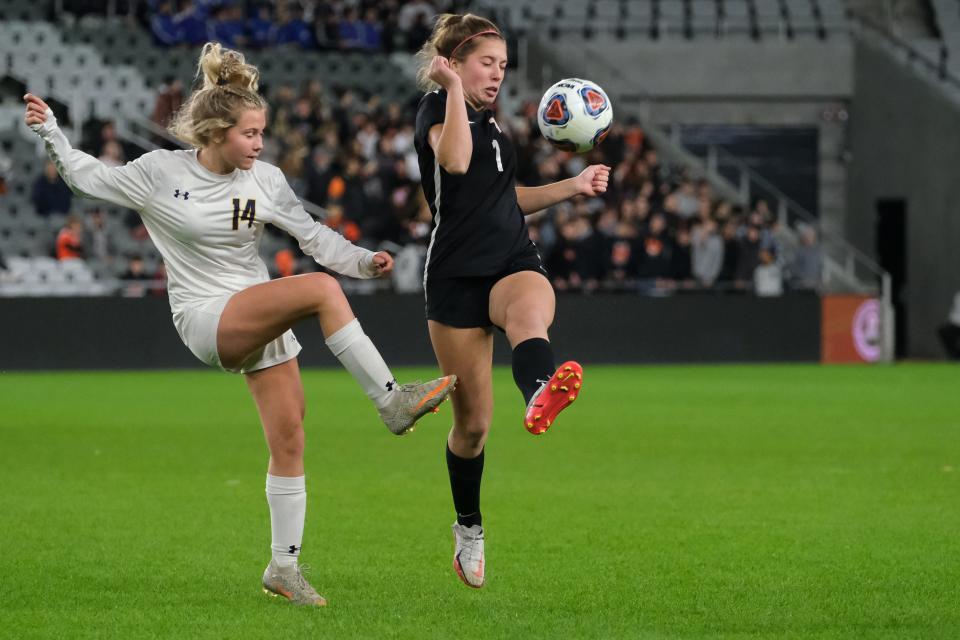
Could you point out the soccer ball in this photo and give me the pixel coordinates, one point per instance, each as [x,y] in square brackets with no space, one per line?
[575,115]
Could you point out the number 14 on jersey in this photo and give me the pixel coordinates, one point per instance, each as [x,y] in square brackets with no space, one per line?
[249,213]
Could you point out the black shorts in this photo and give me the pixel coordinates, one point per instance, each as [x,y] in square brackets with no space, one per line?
[464,302]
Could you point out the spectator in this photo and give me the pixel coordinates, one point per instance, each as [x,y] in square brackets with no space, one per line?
[731,251]
[419,31]
[412,12]
[707,253]
[950,331]
[389,32]
[327,29]
[135,278]
[260,25]
[158,284]
[317,173]
[191,24]
[656,253]
[112,155]
[748,257]
[351,30]
[687,203]
[228,27]
[620,266]
[805,268]
[285,263]
[337,221]
[98,237]
[767,279]
[106,132]
[574,260]
[163,25]
[50,194]
[369,138]
[169,100]
[290,29]
[681,258]
[370,31]
[348,190]
[70,239]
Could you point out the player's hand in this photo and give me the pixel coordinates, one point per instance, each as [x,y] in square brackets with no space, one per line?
[441,73]
[383,263]
[593,180]
[36,113]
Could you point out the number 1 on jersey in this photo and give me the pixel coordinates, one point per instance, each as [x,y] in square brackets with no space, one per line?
[249,213]
[496,147]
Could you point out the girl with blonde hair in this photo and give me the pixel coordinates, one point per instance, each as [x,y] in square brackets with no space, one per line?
[205,209]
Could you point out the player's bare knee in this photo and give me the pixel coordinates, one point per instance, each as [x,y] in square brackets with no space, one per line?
[287,442]
[473,432]
[325,290]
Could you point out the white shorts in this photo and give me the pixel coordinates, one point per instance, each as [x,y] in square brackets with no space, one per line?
[197,327]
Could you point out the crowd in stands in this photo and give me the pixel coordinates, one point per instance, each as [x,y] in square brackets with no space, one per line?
[365,25]
[656,230]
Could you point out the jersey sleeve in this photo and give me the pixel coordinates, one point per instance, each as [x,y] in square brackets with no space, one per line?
[317,240]
[128,186]
[431,111]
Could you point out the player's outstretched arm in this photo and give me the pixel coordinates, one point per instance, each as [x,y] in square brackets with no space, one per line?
[129,186]
[323,244]
[592,181]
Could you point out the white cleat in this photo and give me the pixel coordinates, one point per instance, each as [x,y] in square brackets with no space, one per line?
[290,583]
[468,554]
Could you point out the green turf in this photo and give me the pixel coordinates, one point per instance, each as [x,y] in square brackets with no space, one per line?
[670,502]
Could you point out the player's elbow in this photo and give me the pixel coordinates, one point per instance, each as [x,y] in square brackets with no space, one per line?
[455,166]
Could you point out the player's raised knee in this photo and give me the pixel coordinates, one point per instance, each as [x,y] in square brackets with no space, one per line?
[323,287]
[529,323]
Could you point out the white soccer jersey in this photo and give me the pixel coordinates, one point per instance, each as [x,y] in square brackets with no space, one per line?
[206,226]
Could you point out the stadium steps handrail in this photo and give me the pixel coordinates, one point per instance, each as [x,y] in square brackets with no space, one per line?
[871,32]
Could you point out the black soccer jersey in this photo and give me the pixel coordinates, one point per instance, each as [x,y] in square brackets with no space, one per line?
[478,225]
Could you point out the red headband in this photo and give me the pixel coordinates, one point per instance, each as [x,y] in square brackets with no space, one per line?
[488,32]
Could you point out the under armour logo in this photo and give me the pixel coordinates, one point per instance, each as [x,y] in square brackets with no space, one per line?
[176,194]
[294,548]
[390,385]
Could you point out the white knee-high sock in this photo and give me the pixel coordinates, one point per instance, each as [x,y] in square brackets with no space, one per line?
[287,498]
[358,356]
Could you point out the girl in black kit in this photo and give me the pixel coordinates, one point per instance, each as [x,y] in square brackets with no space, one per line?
[482,269]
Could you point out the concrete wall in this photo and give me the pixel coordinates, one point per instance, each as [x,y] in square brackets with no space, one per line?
[682,70]
[118,333]
[903,135]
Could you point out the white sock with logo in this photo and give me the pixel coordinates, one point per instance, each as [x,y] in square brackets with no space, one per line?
[358,356]
[287,498]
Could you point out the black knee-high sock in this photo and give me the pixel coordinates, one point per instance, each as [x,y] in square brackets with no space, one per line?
[532,365]
[465,474]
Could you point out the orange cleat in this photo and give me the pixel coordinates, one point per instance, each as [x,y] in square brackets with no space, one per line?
[554,396]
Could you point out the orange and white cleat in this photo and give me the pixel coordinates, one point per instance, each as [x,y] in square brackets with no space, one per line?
[409,402]
[554,396]
[468,554]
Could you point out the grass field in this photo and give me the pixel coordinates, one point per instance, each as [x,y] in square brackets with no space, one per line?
[670,502]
